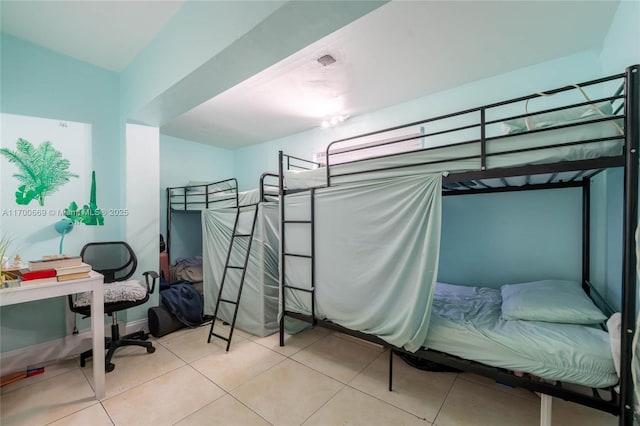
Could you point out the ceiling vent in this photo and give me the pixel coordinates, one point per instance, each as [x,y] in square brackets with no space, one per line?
[326,60]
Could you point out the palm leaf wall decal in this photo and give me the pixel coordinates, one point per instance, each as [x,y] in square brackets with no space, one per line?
[42,170]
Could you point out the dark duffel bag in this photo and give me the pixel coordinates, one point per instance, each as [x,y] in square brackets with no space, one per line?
[162,322]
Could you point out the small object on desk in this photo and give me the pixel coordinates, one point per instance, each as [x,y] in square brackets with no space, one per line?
[36,265]
[75,276]
[11,273]
[83,267]
[28,275]
[50,257]
[38,281]
[17,262]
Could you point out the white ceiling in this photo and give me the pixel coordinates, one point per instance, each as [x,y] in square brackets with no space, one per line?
[400,51]
[108,34]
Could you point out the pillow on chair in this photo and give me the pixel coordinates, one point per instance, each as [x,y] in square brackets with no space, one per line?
[122,291]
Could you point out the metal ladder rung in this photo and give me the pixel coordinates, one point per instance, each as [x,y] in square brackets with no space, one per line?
[229,301]
[308,290]
[235,267]
[296,221]
[226,339]
[241,235]
[306,256]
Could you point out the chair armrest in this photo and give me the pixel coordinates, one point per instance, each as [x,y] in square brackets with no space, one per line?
[154,275]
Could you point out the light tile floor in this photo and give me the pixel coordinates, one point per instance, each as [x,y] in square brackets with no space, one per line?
[317,378]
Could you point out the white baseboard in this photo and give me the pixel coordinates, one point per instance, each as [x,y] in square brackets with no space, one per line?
[68,346]
[133,326]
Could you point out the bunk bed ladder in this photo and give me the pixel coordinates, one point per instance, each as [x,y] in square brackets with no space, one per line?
[235,235]
[311,256]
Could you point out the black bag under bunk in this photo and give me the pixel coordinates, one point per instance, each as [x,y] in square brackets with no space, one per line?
[425,364]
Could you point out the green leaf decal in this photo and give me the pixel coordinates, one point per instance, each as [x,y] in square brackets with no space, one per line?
[42,170]
[90,214]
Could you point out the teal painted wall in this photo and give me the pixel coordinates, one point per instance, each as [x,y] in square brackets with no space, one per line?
[502,238]
[620,49]
[182,161]
[37,82]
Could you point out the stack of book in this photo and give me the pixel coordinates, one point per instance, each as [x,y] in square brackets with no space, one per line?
[42,276]
[76,272]
[54,269]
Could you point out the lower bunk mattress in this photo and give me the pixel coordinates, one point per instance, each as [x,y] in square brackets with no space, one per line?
[467,322]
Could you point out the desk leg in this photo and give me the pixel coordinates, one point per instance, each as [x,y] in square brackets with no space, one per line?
[97,326]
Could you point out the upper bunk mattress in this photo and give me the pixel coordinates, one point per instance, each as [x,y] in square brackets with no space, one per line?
[467,322]
[456,158]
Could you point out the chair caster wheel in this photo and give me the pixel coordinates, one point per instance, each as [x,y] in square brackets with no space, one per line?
[151,349]
[110,367]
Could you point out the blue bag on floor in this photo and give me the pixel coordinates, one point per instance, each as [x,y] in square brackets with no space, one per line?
[184,302]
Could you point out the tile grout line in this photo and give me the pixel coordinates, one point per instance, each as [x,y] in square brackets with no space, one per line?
[445,398]
[382,400]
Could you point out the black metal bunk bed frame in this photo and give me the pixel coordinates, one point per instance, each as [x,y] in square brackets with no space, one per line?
[216,192]
[210,191]
[620,404]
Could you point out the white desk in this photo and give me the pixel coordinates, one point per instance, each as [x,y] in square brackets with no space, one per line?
[94,284]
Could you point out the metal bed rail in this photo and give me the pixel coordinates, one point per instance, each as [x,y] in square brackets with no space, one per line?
[209,190]
[268,187]
[481,124]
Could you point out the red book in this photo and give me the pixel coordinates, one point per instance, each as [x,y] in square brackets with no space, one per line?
[35,275]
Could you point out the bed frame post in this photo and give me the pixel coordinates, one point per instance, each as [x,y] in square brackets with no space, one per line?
[586,234]
[545,409]
[632,111]
[390,369]
[281,198]
[168,226]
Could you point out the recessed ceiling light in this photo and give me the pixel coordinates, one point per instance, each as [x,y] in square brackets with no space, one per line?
[333,121]
[326,60]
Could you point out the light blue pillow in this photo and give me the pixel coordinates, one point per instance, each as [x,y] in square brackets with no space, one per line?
[550,301]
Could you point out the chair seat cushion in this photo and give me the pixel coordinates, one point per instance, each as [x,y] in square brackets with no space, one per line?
[125,291]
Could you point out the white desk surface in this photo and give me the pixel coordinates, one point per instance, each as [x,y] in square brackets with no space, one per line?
[14,295]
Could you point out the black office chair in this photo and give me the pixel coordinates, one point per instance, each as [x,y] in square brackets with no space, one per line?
[117,262]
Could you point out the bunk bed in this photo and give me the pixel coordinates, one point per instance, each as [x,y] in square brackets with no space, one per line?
[218,204]
[258,310]
[338,273]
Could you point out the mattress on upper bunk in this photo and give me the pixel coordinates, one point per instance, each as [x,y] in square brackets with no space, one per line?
[467,322]
[453,158]
[197,200]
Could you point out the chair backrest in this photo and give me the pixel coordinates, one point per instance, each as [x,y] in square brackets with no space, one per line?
[113,259]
